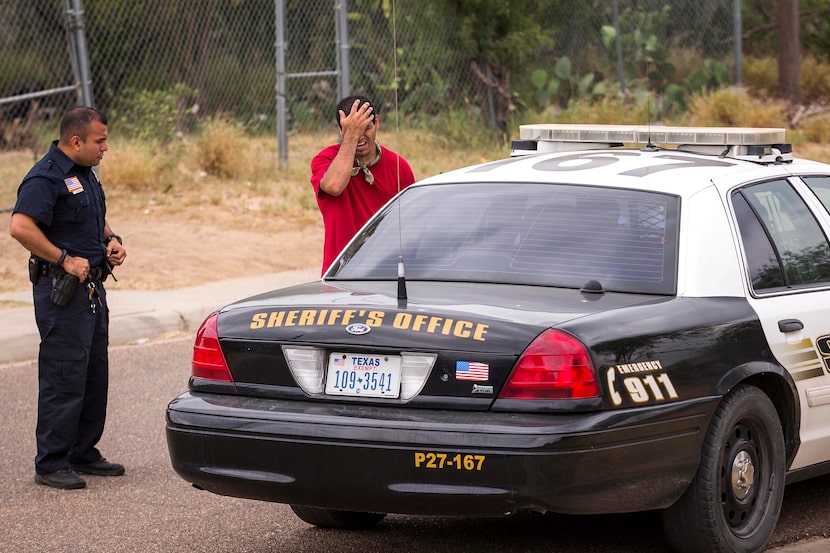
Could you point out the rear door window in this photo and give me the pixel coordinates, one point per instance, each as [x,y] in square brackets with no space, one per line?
[784,244]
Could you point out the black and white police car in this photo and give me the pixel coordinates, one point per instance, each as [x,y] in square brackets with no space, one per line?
[583,328]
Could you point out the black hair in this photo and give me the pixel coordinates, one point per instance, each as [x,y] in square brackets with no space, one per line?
[77,120]
[345,105]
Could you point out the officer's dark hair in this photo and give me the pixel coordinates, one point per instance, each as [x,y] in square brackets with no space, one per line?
[345,105]
[77,120]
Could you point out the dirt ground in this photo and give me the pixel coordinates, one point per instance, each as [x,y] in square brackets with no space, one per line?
[167,251]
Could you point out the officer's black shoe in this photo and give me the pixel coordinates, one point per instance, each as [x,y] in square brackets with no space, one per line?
[65,479]
[101,467]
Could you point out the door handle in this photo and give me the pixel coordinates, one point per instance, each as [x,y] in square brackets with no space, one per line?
[790,325]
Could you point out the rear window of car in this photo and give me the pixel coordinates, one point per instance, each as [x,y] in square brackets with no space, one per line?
[538,234]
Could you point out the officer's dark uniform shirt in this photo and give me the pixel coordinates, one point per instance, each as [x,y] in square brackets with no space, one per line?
[68,203]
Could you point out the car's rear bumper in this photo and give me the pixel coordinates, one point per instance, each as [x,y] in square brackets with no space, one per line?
[393,460]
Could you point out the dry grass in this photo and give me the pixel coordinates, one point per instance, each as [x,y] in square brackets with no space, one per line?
[718,109]
[13,165]
[224,172]
[817,129]
[226,169]
[609,110]
[815,80]
[761,77]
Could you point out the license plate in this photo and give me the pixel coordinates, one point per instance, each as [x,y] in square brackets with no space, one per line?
[353,374]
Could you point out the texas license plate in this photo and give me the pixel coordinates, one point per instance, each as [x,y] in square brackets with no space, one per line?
[353,374]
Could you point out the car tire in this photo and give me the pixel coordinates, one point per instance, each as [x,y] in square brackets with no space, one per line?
[330,518]
[719,512]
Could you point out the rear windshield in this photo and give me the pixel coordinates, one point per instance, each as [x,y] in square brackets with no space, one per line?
[537,234]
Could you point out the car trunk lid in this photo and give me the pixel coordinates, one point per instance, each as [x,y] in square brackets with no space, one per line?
[457,342]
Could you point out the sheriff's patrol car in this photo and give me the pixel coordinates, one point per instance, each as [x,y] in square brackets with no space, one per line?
[599,323]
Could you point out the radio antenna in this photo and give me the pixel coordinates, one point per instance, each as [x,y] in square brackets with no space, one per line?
[648,147]
[402,295]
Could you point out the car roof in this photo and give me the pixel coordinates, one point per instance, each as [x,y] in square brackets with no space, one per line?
[682,171]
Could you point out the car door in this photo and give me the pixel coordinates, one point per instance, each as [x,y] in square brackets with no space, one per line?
[787,261]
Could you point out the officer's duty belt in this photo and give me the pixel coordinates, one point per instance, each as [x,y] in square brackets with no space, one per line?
[95,273]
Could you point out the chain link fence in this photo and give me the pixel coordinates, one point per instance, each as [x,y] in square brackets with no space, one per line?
[162,65]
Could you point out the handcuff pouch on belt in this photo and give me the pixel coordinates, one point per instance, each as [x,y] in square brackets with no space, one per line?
[34,270]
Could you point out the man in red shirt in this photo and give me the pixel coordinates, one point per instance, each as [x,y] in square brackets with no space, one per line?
[355,178]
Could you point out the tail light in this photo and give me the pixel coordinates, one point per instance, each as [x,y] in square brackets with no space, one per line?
[208,359]
[554,366]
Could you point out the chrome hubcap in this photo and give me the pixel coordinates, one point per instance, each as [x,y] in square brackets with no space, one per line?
[743,475]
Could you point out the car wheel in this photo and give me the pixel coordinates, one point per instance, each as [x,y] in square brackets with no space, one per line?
[732,504]
[330,518]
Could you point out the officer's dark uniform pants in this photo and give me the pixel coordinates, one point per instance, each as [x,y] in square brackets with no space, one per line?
[73,377]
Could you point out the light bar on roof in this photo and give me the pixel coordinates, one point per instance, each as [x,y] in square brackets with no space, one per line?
[642,134]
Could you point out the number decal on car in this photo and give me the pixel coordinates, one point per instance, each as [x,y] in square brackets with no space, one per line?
[431,460]
[681,162]
[640,388]
[587,161]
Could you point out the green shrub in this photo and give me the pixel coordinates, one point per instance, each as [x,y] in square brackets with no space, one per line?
[458,127]
[156,116]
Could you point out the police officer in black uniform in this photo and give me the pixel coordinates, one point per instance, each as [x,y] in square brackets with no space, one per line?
[60,217]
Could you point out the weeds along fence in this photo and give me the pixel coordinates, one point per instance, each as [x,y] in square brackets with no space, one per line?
[158,67]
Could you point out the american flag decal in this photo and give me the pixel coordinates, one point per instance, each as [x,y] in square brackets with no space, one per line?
[73,184]
[471,370]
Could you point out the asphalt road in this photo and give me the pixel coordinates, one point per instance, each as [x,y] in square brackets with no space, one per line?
[152,509]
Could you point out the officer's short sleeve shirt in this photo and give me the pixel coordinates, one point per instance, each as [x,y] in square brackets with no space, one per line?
[68,203]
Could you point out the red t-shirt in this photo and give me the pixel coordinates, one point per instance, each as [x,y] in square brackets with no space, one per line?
[343,215]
